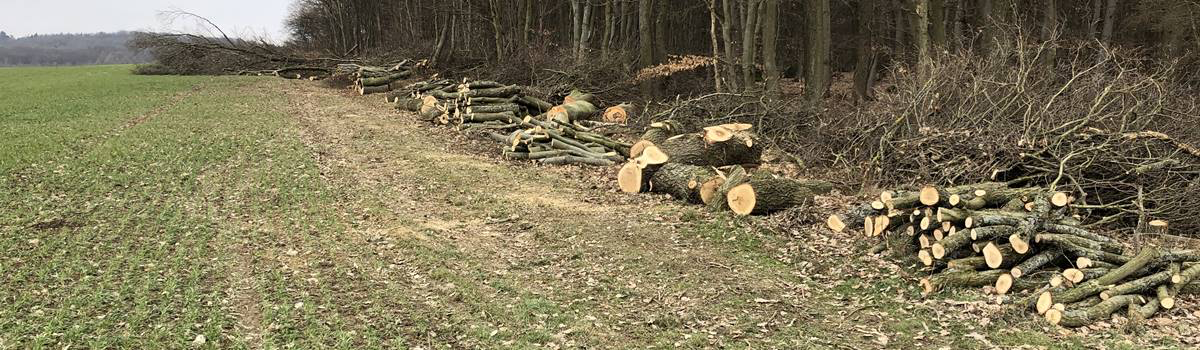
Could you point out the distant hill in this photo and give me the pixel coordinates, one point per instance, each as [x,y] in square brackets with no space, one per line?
[69,49]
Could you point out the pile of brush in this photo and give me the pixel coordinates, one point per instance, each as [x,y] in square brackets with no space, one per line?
[1024,243]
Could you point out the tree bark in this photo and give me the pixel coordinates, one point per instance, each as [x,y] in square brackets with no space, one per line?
[727,35]
[1049,31]
[920,34]
[681,181]
[645,42]
[1110,19]
[864,63]
[770,37]
[606,40]
[748,45]
[937,24]
[819,72]
[716,48]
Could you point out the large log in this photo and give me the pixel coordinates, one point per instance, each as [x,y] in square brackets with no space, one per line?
[619,114]
[763,195]
[568,112]
[692,149]
[658,132]
[384,80]
[681,181]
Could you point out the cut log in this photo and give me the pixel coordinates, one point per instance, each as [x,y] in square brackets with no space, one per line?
[630,178]
[1083,317]
[619,114]
[1060,199]
[651,155]
[658,132]
[834,222]
[959,279]
[968,263]
[535,105]
[767,194]
[681,181]
[709,189]
[568,112]
[1096,285]
[1139,285]
[930,195]
[577,95]
[692,149]
[998,255]
[638,147]
[713,134]
[496,108]
[1058,239]
[1035,262]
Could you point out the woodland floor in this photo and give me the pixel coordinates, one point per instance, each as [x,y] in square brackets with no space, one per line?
[263,213]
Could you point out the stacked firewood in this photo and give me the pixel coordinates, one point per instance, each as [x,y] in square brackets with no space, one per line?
[712,167]
[529,127]
[1025,244]
[373,80]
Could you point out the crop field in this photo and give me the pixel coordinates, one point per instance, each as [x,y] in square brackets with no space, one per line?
[247,212]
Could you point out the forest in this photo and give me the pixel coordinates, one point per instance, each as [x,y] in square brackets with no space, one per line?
[1026,147]
[69,49]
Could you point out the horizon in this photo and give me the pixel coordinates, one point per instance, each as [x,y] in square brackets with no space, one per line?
[242,19]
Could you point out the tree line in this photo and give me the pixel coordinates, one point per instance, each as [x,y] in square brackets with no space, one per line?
[69,49]
[752,43]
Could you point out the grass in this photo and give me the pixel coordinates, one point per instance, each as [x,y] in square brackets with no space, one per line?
[143,211]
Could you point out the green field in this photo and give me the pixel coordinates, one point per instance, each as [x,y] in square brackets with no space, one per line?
[143,212]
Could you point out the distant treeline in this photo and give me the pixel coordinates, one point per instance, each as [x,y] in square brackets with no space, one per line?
[69,49]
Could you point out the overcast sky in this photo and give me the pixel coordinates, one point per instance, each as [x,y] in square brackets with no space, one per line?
[245,17]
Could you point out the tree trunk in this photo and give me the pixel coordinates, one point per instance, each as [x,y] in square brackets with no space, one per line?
[525,25]
[660,31]
[1110,19]
[681,181]
[864,63]
[645,43]
[899,28]
[585,31]
[748,44]
[576,26]
[727,35]
[920,33]
[1049,31]
[1093,19]
[693,149]
[606,40]
[937,24]
[770,37]
[716,48]
[819,73]
[957,32]
[496,29]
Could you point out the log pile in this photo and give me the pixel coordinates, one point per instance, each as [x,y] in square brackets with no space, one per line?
[712,166]
[1025,244]
[529,127]
[373,80]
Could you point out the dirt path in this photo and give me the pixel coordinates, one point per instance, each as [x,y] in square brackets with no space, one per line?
[596,266]
[447,246]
